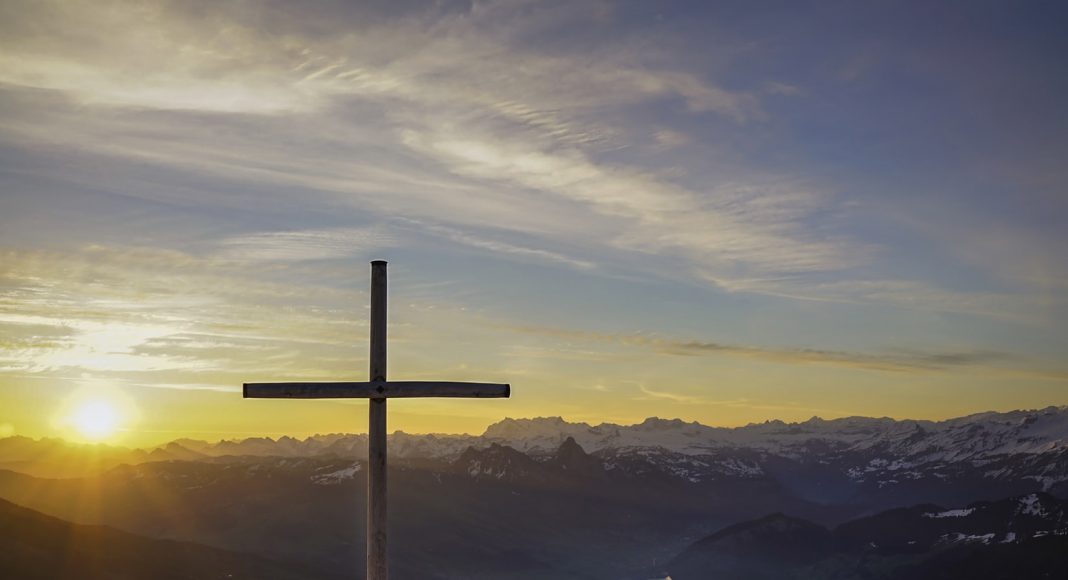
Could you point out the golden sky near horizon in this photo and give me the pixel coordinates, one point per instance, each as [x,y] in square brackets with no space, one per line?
[623,210]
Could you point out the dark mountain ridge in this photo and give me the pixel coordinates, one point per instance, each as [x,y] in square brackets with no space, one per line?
[990,539]
[37,546]
[465,515]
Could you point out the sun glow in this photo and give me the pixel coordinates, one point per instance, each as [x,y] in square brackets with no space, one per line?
[95,413]
[96,420]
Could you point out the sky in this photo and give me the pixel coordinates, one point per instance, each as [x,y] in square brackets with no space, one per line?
[726,212]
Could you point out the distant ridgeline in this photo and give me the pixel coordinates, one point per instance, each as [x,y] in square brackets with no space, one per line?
[1015,452]
[544,498]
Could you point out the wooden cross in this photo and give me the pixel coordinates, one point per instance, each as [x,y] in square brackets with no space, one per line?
[377,390]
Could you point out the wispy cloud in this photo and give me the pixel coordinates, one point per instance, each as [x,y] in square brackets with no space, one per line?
[303,245]
[526,154]
[899,360]
[497,246]
[686,399]
[674,397]
[911,294]
[141,311]
[379,110]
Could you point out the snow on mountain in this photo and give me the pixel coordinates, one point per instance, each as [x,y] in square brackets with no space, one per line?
[498,462]
[1031,505]
[958,513]
[401,445]
[546,434]
[985,434]
[336,477]
[1011,448]
[405,445]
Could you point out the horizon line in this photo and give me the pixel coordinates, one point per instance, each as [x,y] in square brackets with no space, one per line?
[275,436]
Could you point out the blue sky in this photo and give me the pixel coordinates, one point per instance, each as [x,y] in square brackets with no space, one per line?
[724,211]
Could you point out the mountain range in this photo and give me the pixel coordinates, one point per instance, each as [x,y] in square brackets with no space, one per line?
[545,498]
[851,460]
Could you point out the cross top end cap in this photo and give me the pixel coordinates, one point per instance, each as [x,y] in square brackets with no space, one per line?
[378,262]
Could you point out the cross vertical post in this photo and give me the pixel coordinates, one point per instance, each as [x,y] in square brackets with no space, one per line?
[376,391]
[377,561]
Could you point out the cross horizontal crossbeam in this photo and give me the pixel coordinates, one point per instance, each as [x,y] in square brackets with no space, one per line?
[375,390]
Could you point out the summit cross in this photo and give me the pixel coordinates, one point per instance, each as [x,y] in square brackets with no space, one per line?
[377,390]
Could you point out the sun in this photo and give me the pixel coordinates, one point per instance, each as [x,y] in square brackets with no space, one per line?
[96,420]
[95,412]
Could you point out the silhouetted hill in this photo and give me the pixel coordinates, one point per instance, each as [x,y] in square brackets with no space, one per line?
[768,548]
[1022,537]
[35,546]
